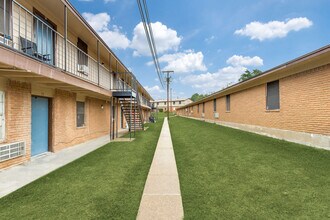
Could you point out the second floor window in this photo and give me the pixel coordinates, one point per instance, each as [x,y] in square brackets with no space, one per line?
[5,9]
[179,102]
[43,48]
[82,56]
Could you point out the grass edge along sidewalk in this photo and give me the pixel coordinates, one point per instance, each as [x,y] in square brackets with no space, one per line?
[106,183]
[228,173]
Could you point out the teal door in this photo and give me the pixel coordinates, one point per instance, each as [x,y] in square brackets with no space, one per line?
[39,125]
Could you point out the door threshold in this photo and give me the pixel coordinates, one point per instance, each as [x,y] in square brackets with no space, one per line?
[41,155]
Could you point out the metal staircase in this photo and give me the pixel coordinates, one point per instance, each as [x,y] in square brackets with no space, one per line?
[130,104]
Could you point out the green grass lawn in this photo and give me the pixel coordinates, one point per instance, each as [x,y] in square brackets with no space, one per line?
[105,184]
[230,174]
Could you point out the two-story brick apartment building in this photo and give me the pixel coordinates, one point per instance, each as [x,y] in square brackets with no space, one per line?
[291,102]
[60,84]
[161,104]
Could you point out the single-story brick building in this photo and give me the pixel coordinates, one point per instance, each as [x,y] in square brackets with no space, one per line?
[290,101]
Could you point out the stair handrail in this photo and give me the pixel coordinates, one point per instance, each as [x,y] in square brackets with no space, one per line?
[138,101]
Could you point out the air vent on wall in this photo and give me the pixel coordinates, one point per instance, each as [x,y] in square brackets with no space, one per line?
[12,150]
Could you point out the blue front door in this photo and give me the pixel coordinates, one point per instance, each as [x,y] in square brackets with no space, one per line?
[39,125]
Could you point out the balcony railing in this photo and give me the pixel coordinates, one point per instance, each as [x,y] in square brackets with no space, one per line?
[35,37]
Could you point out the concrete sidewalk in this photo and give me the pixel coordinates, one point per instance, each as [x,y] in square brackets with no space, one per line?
[161,196]
[18,176]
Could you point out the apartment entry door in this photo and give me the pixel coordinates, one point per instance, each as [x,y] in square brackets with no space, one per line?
[39,128]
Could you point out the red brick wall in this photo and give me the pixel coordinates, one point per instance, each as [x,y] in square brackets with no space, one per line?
[65,132]
[304,104]
[18,118]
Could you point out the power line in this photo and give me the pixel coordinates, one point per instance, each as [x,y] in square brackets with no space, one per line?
[150,37]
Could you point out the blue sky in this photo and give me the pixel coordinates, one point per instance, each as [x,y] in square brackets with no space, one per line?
[208,43]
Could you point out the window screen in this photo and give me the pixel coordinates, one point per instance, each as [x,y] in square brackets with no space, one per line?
[81,53]
[5,17]
[203,109]
[80,114]
[227,103]
[273,95]
[214,105]
[198,108]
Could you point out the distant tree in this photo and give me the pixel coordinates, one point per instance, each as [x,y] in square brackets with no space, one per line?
[195,97]
[248,74]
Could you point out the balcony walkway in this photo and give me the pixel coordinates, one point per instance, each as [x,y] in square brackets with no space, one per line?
[161,197]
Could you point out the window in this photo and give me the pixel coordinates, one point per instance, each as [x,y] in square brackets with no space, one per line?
[5,8]
[198,108]
[80,114]
[82,56]
[203,109]
[164,103]
[179,102]
[214,105]
[2,115]
[273,96]
[44,39]
[228,103]
[173,103]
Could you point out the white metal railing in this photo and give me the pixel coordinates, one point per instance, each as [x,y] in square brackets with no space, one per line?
[35,37]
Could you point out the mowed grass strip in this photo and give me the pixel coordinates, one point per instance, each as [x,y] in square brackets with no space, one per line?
[105,184]
[231,174]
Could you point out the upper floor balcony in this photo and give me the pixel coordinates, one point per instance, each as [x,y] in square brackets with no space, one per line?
[62,39]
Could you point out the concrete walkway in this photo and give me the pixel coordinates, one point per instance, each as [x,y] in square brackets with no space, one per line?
[18,176]
[161,196]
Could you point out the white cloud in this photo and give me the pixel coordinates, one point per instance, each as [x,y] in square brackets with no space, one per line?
[166,39]
[112,36]
[155,91]
[238,60]
[273,29]
[223,77]
[187,61]
[210,82]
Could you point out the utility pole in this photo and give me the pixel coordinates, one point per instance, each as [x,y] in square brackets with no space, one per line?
[168,80]
[171,101]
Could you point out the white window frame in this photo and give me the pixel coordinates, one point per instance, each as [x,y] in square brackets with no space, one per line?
[4,117]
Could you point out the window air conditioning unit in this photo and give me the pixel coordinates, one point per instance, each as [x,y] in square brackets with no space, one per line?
[6,40]
[216,115]
[83,69]
[203,115]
